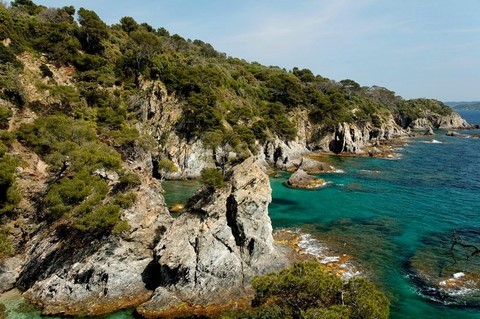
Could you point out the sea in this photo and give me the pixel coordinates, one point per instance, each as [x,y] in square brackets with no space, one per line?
[408,223]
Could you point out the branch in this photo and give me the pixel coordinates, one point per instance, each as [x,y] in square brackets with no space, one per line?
[469,249]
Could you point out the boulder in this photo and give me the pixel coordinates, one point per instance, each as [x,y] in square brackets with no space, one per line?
[453,133]
[312,166]
[300,179]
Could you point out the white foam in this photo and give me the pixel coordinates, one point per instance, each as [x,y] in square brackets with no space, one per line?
[461,291]
[318,249]
[458,275]
[436,142]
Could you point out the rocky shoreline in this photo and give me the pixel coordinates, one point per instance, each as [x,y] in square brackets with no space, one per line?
[219,241]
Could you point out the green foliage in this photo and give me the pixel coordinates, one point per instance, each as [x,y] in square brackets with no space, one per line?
[92,32]
[125,200]
[46,72]
[212,177]
[417,108]
[213,139]
[5,115]
[307,290]
[8,56]
[275,118]
[100,219]
[11,88]
[129,180]
[145,46]
[128,24]
[365,300]
[166,166]
[6,249]
[26,6]
[75,153]
[9,194]
[304,75]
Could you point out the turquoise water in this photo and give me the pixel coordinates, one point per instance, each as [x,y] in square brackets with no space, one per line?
[395,217]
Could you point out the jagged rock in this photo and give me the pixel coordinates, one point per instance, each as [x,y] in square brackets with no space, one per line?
[453,133]
[9,272]
[312,166]
[72,274]
[300,179]
[218,244]
[429,132]
[111,177]
[189,156]
[436,121]
[354,138]
[374,151]
[282,155]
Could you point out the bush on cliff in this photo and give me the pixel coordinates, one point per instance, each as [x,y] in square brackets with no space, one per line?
[212,177]
[308,290]
[9,194]
[6,248]
[76,156]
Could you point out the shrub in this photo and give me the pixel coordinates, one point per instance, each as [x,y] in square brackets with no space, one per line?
[5,114]
[129,180]
[308,290]
[9,194]
[212,177]
[6,249]
[101,219]
[166,166]
[125,200]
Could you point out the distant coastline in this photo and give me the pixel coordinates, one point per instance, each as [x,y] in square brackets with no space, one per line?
[473,105]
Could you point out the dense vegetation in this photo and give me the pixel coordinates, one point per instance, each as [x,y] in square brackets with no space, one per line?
[83,83]
[307,290]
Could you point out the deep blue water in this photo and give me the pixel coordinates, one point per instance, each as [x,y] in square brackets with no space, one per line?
[395,217]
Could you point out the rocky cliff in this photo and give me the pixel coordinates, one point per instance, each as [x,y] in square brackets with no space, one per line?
[223,239]
[207,255]
[80,274]
[436,121]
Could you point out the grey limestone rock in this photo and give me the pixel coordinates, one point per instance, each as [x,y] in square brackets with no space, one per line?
[223,239]
[74,274]
[300,179]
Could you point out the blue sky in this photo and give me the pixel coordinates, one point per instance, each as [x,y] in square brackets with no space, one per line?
[417,48]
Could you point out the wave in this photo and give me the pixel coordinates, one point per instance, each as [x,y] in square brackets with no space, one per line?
[340,263]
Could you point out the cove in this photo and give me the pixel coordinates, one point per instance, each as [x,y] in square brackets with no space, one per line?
[392,216]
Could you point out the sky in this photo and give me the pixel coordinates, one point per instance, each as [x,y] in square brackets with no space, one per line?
[416,48]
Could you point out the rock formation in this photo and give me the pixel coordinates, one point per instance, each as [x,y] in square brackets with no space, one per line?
[223,239]
[436,121]
[300,179]
[71,273]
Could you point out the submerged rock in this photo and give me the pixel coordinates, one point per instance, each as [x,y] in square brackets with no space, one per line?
[300,179]
[453,133]
[223,239]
